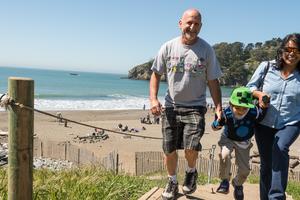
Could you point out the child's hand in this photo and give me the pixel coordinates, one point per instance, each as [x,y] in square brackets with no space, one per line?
[216,126]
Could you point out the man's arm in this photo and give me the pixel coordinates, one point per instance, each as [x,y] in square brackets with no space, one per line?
[155,105]
[215,92]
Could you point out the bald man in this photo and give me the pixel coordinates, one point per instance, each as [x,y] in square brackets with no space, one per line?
[190,64]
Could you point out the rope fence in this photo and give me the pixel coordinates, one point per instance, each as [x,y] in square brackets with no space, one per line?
[8,101]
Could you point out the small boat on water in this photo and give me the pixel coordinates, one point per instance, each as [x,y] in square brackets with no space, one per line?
[74,74]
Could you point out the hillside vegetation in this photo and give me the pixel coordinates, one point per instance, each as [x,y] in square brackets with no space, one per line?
[238,61]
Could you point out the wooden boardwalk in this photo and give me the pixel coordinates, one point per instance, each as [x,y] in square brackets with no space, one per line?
[207,192]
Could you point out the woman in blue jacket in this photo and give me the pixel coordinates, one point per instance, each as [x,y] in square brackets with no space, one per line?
[281,126]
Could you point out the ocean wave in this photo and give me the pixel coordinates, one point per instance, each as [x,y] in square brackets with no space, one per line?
[78,96]
[107,102]
[111,104]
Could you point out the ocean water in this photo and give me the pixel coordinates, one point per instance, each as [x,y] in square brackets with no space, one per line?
[69,90]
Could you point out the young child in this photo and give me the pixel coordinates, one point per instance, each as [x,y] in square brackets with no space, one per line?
[238,120]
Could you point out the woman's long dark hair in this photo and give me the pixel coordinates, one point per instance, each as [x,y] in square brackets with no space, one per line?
[295,37]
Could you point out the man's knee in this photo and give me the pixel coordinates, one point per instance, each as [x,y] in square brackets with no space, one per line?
[191,154]
[171,155]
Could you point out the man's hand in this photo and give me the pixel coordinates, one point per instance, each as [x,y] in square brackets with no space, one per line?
[219,114]
[156,107]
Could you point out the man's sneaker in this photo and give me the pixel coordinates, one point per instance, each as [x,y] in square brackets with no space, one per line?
[238,192]
[190,182]
[224,187]
[170,191]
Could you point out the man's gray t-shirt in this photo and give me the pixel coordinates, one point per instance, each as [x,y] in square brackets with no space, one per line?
[188,67]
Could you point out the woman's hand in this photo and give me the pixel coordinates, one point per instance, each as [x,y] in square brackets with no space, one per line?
[263,99]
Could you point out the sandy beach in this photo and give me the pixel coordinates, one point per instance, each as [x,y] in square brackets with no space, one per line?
[47,128]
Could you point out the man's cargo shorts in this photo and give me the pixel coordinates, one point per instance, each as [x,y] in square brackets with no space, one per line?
[182,128]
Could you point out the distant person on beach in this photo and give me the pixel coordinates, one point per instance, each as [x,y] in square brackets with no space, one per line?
[238,120]
[59,117]
[190,65]
[281,126]
[148,120]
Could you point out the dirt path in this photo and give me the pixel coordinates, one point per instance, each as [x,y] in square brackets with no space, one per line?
[207,192]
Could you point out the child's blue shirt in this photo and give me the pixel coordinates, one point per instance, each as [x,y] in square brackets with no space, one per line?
[240,129]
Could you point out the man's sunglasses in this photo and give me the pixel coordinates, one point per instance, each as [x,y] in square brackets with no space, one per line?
[291,49]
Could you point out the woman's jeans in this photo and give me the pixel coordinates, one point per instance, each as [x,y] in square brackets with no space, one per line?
[273,146]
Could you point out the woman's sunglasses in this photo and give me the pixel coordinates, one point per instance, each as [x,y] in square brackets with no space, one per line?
[291,49]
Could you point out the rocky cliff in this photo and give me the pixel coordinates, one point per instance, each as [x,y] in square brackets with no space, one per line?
[142,72]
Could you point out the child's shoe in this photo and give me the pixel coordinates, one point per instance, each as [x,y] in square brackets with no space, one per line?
[238,192]
[224,187]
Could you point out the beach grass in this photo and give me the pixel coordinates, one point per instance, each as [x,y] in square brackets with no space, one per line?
[293,189]
[83,183]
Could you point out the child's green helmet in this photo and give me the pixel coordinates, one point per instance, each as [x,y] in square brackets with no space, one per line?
[242,96]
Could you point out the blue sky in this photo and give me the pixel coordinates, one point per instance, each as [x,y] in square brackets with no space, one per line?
[113,36]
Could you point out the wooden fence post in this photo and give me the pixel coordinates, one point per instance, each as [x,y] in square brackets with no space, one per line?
[20,139]
[78,156]
[42,149]
[136,163]
[66,150]
[117,163]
